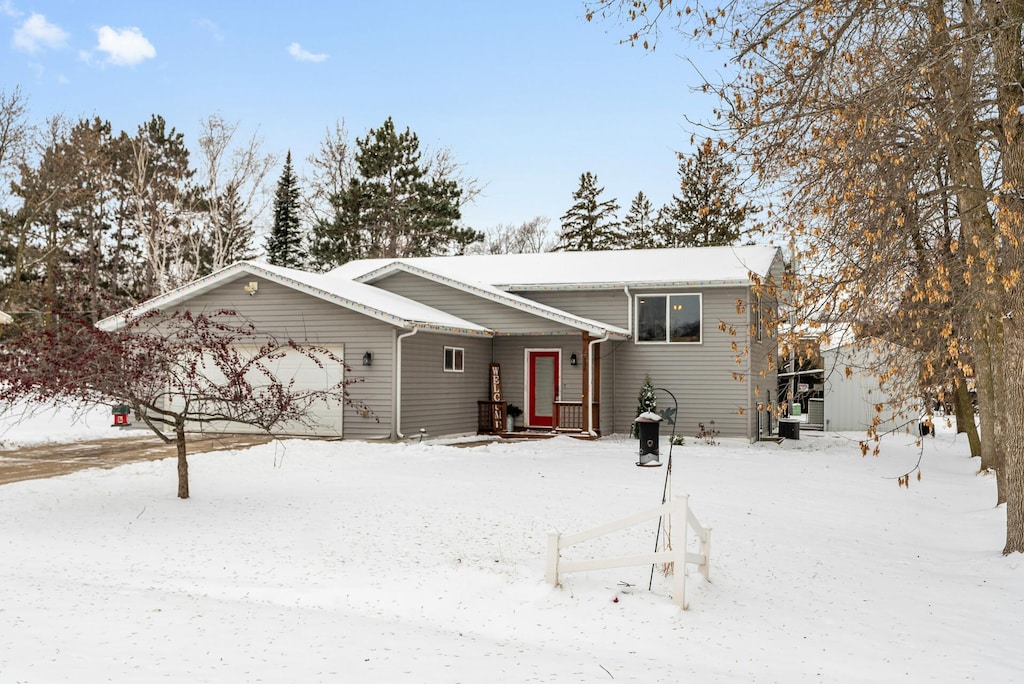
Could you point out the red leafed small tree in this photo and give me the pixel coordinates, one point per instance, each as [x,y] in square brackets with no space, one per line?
[177,371]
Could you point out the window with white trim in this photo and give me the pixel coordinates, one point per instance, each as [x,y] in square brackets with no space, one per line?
[673,318]
[454,358]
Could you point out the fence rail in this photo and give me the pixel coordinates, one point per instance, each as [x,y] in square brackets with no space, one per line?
[679,511]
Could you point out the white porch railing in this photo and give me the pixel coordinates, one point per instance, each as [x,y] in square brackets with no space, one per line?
[679,511]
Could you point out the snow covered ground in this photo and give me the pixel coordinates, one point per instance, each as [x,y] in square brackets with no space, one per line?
[41,423]
[306,561]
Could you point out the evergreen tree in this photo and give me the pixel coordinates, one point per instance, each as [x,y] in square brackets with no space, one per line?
[640,227]
[395,205]
[590,224]
[645,401]
[285,243]
[708,210]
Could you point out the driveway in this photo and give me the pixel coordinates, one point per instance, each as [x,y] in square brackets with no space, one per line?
[48,460]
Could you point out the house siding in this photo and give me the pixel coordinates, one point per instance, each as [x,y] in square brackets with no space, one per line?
[764,380]
[510,352]
[440,402]
[501,318]
[706,379]
[287,314]
[607,306]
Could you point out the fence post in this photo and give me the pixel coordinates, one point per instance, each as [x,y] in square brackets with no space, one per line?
[705,550]
[554,538]
[680,513]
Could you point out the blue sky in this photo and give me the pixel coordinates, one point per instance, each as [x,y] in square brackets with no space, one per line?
[526,94]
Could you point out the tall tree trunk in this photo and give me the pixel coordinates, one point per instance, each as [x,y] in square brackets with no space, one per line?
[965,413]
[1004,21]
[179,433]
[1011,474]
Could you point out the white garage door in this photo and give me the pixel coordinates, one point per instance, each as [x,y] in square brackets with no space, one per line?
[325,416]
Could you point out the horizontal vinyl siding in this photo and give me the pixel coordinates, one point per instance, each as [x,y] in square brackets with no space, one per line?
[510,352]
[287,314]
[498,317]
[442,403]
[699,375]
[764,379]
[607,306]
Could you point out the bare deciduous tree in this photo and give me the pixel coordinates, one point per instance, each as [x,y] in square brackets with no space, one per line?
[232,176]
[529,237]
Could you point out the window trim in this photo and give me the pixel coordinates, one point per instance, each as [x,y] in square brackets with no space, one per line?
[668,303]
[458,359]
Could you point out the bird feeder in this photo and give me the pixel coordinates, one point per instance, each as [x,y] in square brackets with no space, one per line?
[648,425]
[121,413]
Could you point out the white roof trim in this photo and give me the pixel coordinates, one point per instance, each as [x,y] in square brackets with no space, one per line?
[499,296]
[442,322]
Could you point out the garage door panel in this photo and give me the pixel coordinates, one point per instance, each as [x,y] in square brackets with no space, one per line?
[304,374]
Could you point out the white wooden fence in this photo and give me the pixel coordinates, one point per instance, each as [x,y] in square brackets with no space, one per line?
[679,511]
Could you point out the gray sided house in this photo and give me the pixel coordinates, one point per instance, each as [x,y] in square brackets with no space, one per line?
[571,335]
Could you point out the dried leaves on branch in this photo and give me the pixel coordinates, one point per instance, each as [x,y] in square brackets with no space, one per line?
[890,141]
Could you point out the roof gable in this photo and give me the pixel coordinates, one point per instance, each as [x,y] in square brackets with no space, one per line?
[366,299]
[494,294]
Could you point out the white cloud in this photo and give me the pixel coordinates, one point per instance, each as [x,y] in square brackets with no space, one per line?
[36,33]
[7,8]
[304,55]
[124,47]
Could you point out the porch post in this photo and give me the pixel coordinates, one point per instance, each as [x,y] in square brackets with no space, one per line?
[586,381]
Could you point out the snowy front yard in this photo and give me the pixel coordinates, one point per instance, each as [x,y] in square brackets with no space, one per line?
[309,561]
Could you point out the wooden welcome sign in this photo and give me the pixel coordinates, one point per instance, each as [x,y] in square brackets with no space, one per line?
[497,408]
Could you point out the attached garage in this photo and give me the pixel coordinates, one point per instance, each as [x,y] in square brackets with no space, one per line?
[324,418]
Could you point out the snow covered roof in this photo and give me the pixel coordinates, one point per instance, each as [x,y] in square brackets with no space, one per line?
[366,299]
[682,267]
[495,294]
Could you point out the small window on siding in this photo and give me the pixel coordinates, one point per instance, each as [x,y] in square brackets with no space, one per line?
[453,359]
[669,318]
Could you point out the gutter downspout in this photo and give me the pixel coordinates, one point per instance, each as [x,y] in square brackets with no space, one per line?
[398,380]
[590,380]
[629,309]
[629,329]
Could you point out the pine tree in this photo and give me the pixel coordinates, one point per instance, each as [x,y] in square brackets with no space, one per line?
[640,227]
[708,210]
[646,401]
[590,224]
[395,205]
[285,243]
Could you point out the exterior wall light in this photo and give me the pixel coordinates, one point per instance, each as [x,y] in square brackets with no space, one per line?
[368,359]
[574,360]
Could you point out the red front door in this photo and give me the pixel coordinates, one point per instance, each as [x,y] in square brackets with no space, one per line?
[542,392]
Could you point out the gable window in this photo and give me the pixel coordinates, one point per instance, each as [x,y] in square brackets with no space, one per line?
[669,318]
[453,359]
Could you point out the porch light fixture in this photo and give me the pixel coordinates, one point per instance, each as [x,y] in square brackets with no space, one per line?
[251,288]
[368,359]
[573,360]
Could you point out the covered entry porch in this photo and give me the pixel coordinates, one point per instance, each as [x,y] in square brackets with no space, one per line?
[553,381]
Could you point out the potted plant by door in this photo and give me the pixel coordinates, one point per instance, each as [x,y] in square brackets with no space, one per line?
[512,412]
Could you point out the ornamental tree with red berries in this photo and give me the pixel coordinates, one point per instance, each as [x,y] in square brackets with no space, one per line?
[177,371]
